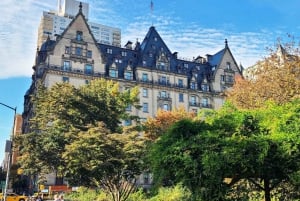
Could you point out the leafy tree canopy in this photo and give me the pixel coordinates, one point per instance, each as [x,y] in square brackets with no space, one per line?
[276,78]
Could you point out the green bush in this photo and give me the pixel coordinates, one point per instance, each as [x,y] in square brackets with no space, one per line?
[177,193]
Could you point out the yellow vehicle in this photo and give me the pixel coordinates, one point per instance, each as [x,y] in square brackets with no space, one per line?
[13,197]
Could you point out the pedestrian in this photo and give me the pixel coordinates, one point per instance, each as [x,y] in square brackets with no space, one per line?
[61,198]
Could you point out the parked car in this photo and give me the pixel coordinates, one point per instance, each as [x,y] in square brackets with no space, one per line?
[13,197]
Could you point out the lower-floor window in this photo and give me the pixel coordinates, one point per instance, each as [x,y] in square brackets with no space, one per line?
[145,107]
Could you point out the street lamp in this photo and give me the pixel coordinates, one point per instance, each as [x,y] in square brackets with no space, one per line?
[9,150]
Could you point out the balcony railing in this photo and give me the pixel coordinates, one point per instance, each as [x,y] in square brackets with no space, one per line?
[164,98]
[194,104]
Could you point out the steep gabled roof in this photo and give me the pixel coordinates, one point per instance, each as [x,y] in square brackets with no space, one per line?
[79,14]
[216,59]
[153,38]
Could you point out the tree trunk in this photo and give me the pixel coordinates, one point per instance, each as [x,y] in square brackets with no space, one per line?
[267,190]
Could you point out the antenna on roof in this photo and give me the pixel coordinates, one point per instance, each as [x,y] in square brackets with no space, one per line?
[151,9]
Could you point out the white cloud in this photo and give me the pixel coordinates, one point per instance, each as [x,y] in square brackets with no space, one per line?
[19,22]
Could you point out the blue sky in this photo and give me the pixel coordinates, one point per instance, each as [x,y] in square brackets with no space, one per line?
[190,27]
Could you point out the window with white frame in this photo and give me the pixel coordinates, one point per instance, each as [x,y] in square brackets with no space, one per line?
[67,65]
[128,75]
[88,69]
[145,92]
[89,54]
[193,100]
[109,50]
[166,107]
[145,107]
[204,102]
[193,85]
[181,97]
[180,82]
[124,54]
[113,72]
[78,51]
[163,94]
[79,35]
[145,77]
[205,87]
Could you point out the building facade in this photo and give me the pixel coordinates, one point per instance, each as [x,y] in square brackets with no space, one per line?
[165,81]
[53,23]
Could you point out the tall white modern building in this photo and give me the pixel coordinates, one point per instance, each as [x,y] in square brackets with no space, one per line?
[53,23]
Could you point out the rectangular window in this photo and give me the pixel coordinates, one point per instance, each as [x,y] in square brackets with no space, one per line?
[180,82]
[163,94]
[113,73]
[109,51]
[127,122]
[88,69]
[204,102]
[205,87]
[163,80]
[89,54]
[78,51]
[193,85]
[65,79]
[181,97]
[67,50]
[228,65]
[193,100]
[128,75]
[79,35]
[229,78]
[223,78]
[166,107]
[124,54]
[145,77]
[145,92]
[145,107]
[67,66]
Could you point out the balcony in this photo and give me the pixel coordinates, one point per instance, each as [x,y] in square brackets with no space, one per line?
[74,70]
[206,105]
[164,98]
[194,104]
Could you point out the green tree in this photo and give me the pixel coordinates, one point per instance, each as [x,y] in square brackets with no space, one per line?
[109,161]
[231,147]
[63,108]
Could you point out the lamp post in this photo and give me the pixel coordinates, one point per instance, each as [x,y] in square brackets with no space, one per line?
[9,150]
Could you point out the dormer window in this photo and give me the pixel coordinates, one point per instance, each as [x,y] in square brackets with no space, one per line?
[124,54]
[205,87]
[79,35]
[193,85]
[109,51]
[113,71]
[128,75]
